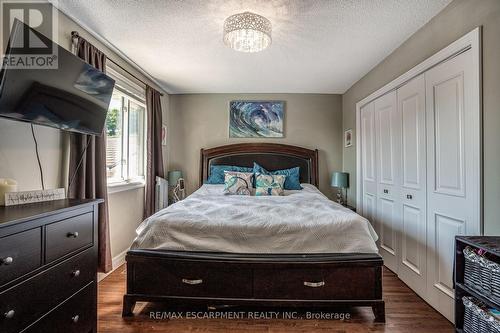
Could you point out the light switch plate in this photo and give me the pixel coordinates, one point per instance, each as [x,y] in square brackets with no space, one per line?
[25,197]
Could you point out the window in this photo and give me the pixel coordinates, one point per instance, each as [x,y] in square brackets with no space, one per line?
[126,135]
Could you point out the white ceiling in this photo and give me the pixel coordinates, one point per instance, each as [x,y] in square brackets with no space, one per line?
[319,46]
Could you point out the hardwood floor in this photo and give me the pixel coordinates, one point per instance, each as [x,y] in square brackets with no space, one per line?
[405,312]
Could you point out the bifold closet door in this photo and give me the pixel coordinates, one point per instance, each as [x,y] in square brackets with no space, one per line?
[368,171]
[453,171]
[387,138]
[413,259]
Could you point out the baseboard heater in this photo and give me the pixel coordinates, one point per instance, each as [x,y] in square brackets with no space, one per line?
[161,189]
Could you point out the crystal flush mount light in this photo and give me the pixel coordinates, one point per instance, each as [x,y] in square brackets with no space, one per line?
[247,32]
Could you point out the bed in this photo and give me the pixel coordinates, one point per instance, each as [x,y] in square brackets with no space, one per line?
[211,249]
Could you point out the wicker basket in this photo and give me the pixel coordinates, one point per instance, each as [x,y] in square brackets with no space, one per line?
[482,274]
[476,319]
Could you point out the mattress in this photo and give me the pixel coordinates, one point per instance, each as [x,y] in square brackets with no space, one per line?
[300,222]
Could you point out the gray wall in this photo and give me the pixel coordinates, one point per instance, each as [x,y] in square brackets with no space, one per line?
[457,19]
[18,159]
[201,121]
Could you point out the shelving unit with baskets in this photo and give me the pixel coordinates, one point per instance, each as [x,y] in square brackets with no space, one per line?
[477,284]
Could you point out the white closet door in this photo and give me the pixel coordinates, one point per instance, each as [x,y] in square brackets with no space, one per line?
[388,167]
[368,168]
[453,175]
[411,107]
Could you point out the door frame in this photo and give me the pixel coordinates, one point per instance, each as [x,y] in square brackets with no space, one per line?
[471,41]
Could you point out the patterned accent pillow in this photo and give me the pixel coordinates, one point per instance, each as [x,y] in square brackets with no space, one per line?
[239,183]
[292,181]
[269,184]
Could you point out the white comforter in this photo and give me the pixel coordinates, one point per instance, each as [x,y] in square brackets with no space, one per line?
[300,222]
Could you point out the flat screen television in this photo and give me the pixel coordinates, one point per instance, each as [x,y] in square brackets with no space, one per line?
[74,97]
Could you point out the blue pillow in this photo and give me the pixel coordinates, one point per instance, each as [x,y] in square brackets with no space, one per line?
[292,181]
[217,172]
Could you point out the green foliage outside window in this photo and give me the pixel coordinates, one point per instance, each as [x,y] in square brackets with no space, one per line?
[112,119]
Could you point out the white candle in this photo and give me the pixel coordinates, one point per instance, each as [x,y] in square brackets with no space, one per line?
[6,186]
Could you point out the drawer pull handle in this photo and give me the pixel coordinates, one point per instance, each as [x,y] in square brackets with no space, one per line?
[73,234]
[386,191]
[314,284]
[75,318]
[6,261]
[187,281]
[9,314]
[76,273]
[409,196]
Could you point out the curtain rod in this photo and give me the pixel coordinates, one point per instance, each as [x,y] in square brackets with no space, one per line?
[75,34]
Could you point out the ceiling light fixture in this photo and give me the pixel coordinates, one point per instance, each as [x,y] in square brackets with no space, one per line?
[247,32]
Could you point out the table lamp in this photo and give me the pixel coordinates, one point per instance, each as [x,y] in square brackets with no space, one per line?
[340,180]
[175,179]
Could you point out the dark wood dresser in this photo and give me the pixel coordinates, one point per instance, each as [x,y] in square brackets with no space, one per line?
[48,267]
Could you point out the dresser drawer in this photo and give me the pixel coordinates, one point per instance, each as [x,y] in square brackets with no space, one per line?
[194,280]
[314,284]
[68,235]
[31,299]
[20,254]
[75,315]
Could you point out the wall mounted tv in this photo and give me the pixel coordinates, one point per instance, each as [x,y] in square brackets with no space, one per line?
[73,97]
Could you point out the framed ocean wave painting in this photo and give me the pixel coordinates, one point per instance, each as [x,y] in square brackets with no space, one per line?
[256,119]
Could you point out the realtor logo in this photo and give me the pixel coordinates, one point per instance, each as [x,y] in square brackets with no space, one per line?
[29,30]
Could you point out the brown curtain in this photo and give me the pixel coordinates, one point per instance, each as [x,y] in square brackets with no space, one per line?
[90,182]
[154,163]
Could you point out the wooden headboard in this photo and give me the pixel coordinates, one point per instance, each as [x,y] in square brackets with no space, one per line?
[271,156]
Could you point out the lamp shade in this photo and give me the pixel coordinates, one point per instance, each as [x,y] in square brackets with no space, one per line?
[340,179]
[173,177]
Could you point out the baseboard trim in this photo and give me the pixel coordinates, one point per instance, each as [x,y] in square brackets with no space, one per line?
[116,262]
